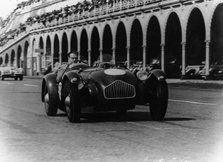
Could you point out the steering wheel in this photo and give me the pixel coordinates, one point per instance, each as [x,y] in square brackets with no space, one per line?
[106,65]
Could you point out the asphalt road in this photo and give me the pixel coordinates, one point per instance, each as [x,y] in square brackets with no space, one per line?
[192,130]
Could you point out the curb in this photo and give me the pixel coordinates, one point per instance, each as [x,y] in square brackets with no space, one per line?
[33,77]
[216,84]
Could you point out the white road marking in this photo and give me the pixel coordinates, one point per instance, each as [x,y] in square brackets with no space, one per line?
[7,83]
[143,125]
[193,102]
[150,127]
[30,85]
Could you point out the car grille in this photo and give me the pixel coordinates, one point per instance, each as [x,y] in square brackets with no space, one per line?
[119,90]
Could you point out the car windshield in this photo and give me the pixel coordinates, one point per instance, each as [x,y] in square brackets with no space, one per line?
[9,68]
[106,59]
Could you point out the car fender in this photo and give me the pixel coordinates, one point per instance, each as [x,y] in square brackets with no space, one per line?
[159,74]
[144,87]
[50,82]
[74,78]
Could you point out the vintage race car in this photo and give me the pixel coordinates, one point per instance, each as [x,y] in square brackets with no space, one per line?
[104,88]
[11,72]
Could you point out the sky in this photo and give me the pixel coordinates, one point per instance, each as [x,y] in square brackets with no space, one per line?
[7,6]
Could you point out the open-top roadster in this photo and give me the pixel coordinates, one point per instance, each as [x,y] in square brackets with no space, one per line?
[104,88]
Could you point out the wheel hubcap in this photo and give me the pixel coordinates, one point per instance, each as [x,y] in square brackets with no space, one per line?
[46,100]
[67,105]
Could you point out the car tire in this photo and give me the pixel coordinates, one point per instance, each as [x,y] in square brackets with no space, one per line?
[72,102]
[16,78]
[3,78]
[49,104]
[21,78]
[159,101]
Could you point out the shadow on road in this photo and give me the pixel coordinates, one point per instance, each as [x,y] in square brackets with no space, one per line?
[115,117]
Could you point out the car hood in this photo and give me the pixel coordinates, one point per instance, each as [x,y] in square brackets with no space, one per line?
[105,77]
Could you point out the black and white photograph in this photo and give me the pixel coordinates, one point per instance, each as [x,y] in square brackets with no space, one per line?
[111,81]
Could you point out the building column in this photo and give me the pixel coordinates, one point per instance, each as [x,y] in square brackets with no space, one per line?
[162,57]
[144,56]
[51,60]
[89,57]
[207,57]
[113,55]
[9,61]
[183,72]
[21,60]
[79,55]
[38,70]
[128,56]
[45,58]
[15,62]
[60,58]
[101,57]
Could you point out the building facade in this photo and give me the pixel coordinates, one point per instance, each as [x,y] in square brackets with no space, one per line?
[189,31]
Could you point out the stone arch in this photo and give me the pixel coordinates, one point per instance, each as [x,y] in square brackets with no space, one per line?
[173,47]
[136,42]
[216,48]
[56,50]
[6,59]
[73,42]
[64,47]
[24,62]
[153,40]
[84,44]
[107,40]
[1,61]
[195,38]
[19,55]
[121,43]
[12,60]
[41,43]
[48,51]
[95,45]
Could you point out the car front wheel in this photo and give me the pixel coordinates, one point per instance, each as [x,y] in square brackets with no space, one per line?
[72,102]
[159,101]
[49,104]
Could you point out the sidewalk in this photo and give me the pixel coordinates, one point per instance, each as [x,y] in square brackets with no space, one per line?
[196,81]
[199,83]
[33,77]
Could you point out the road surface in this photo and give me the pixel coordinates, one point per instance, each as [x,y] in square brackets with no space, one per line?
[191,132]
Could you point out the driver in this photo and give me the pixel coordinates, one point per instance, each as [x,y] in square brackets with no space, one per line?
[72,61]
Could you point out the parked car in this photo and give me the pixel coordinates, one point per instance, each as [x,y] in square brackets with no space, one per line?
[193,71]
[215,72]
[11,72]
[104,87]
[172,67]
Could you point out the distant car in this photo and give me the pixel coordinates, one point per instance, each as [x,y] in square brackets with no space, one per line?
[104,87]
[11,72]
[172,67]
[215,72]
[193,71]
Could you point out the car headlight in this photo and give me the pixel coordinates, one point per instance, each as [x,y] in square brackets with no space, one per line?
[73,80]
[142,75]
